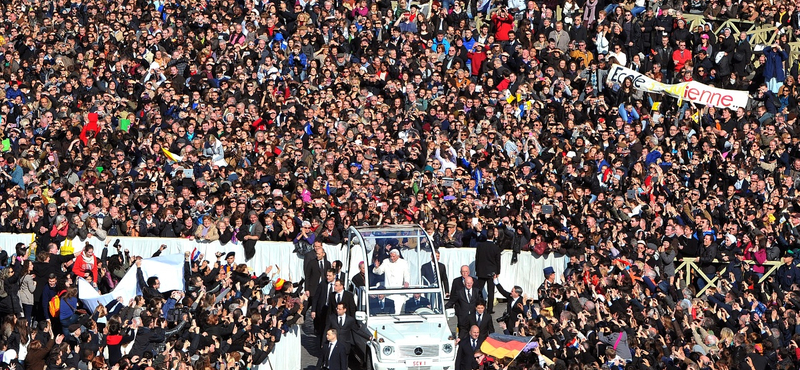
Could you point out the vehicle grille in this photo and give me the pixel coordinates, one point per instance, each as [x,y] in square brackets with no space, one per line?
[431,350]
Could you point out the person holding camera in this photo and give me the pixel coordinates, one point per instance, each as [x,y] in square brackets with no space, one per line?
[514,306]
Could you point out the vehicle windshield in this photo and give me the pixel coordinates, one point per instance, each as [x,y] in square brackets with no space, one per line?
[405,304]
[399,259]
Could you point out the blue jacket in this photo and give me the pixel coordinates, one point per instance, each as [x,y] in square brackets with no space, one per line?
[787,275]
[67,305]
[11,94]
[774,65]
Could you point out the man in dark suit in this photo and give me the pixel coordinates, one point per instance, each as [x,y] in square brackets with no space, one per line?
[381,304]
[468,344]
[464,301]
[314,270]
[482,320]
[319,306]
[334,355]
[345,324]
[417,302]
[359,279]
[342,296]
[514,304]
[487,265]
[429,274]
[458,283]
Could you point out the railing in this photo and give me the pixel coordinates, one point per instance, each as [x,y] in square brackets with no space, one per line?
[690,264]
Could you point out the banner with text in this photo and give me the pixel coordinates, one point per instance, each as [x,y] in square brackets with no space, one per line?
[692,91]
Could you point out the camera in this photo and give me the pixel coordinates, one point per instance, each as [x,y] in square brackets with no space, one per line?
[116,244]
[503,318]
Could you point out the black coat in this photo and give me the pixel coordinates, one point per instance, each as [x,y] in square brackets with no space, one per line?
[512,307]
[337,359]
[458,283]
[313,274]
[345,332]
[487,259]
[463,306]
[146,340]
[486,326]
[147,292]
[427,273]
[349,303]
[465,356]
[321,301]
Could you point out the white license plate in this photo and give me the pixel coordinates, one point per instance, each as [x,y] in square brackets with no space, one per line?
[417,363]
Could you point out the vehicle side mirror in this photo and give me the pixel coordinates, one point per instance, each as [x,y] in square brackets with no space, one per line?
[450,312]
[362,316]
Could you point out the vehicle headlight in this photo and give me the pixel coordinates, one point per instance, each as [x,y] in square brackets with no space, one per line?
[388,350]
[447,348]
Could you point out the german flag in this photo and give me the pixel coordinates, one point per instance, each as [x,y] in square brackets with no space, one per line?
[500,345]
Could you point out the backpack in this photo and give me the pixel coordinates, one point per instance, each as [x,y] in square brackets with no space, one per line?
[54,306]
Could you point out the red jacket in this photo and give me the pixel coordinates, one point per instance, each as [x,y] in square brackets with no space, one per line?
[503,26]
[680,57]
[80,266]
[477,60]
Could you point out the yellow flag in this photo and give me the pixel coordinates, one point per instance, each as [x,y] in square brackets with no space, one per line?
[510,99]
[656,106]
[696,117]
[172,156]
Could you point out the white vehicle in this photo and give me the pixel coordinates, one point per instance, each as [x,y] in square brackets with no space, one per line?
[401,306]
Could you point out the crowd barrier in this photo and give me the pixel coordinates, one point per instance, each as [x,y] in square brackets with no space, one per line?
[527,272]
[693,272]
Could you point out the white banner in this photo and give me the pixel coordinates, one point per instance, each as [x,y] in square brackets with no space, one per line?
[168,269]
[692,91]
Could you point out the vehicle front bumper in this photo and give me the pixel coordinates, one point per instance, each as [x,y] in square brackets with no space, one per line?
[429,364]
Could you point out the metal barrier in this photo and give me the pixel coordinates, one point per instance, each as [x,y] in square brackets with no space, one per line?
[690,264]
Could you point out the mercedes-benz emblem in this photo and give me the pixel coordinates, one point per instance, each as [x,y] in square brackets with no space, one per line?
[418,351]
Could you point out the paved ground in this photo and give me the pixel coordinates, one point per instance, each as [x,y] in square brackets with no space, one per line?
[311,343]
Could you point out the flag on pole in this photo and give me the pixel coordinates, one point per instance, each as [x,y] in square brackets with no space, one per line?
[500,345]
[696,117]
[656,106]
[195,254]
[172,156]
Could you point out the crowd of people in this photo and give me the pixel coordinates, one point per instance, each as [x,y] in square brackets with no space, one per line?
[484,121]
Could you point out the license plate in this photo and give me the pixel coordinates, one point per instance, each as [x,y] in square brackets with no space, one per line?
[417,363]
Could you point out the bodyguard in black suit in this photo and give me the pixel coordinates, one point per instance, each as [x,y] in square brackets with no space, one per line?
[467,345]
[345,324]
[482,320]
[342,296]
[430,274]
[315,270]
[334,354]
[487,265]
[464,301]
[319,305]
[514,304]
